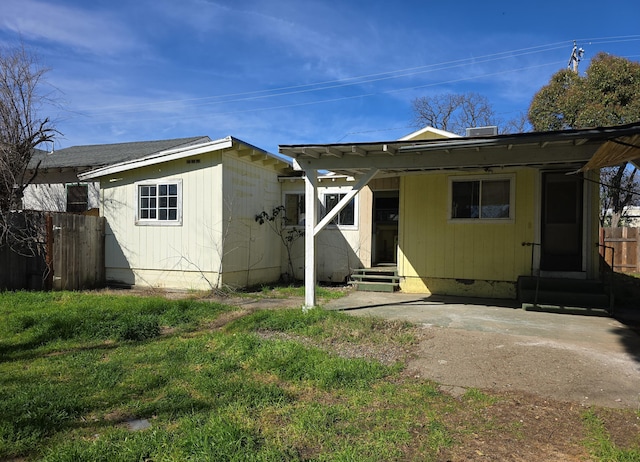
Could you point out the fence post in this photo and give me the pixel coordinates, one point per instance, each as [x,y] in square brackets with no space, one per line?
[48,256]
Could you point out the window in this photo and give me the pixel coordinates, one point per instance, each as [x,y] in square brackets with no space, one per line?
[294,209]
[346,217]
[481,199]
[77,198]
[159,203]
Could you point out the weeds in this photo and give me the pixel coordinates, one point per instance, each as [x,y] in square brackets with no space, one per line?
[600,444]
[76,368]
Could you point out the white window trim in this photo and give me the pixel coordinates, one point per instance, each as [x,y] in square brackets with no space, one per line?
[356,214]
[156,222]
[512,198]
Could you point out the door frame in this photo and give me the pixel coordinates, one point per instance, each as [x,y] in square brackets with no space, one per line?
[375,258]
[586,228]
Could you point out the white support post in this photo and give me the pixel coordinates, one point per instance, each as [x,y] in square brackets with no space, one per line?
[310,219]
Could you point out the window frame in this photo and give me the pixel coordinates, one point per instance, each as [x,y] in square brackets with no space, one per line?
[157,221]
[301,208]
[85,187]
[324,211]
[482,178]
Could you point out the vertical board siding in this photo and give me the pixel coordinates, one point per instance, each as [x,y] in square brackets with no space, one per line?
[184,256]
[221,196]
[338,249]
[432,246]
[252,252]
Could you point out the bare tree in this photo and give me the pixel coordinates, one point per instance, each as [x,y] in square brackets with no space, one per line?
[618,190]
[453,112]
[22,130]
[277,221]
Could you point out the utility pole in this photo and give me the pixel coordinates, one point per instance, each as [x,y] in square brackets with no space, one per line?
[576,57]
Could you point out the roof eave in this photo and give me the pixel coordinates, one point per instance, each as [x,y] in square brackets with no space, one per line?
[179,153]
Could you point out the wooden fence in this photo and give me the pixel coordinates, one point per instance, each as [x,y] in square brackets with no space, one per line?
[78,251]
[71,257]
[620,249]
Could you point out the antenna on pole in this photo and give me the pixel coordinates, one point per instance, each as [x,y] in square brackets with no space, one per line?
[576,57]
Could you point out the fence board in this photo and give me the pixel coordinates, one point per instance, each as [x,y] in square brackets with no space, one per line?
[620,248]
[73,247]
[20,272]
[26,268]
[78,252]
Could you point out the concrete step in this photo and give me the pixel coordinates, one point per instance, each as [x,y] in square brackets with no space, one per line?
[375,277]
[563,295]
[364,286]
[580,310]
[562,298]
[561,284]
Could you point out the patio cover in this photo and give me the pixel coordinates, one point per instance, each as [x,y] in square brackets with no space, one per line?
[582,149]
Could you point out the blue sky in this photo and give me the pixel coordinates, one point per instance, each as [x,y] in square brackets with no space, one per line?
[286,72]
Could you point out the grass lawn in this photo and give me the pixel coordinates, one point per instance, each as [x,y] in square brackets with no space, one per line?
[111,377]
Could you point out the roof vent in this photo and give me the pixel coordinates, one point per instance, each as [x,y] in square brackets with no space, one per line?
[482,131]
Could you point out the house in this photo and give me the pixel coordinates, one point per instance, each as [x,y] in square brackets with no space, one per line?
[630,216]
[365,232]
[185,217]
[56,187]
[476,214]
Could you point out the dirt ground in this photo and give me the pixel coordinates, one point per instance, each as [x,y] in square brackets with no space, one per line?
[543,386]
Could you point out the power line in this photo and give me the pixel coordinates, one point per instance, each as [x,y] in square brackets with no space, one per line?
[357,80]
[336,99]
[349,82]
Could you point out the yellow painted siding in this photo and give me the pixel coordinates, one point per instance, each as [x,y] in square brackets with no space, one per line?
[440,255]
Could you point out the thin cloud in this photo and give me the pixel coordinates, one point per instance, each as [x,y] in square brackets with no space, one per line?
[97,31]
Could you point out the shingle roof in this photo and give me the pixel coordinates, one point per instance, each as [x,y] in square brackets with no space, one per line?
[99,155]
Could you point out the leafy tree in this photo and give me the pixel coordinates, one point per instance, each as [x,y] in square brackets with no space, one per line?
[22,130]
[607,95]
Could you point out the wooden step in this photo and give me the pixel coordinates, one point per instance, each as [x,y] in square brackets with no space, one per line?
[377,279]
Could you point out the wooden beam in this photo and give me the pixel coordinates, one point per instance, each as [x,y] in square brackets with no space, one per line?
[331,151]
[362,182]
[309,152]
[463,158]
[358,151]
[391,150]
[245,152]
